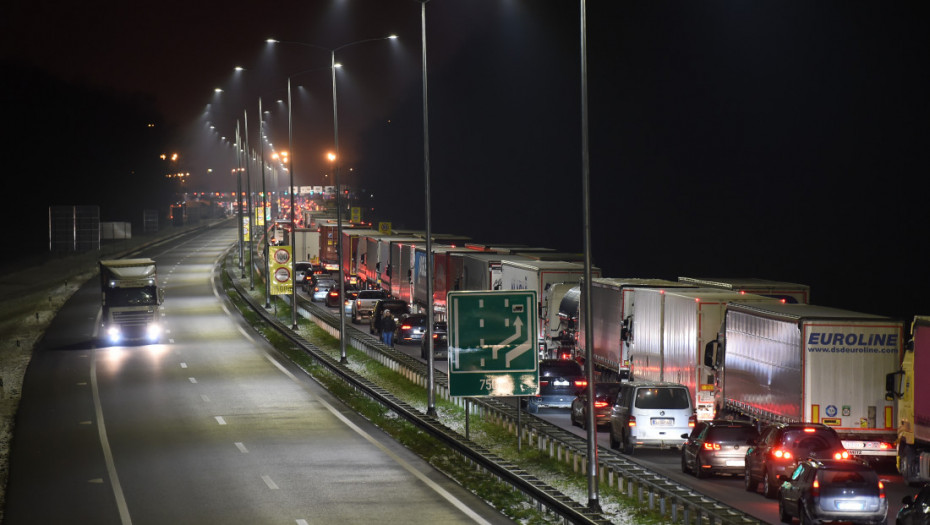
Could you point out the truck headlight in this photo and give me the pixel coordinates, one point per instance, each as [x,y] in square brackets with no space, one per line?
[114,334]
[153,331]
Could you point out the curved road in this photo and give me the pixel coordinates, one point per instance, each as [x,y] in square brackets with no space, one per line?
[209,426]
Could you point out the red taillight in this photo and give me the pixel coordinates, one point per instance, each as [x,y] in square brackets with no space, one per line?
[632,421]
[405,327]
[333,294]
[885,446]
[600,404]
[692,420]
[316,288]
[565,355]
[781,453]
[711,446]
[543,382]
[881,490]
[841,455]
[815,489]
[810,430]
[581,383]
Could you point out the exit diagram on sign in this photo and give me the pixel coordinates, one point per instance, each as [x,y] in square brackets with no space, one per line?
[493,334]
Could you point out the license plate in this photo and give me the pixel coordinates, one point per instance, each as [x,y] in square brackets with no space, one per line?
[663,421]
[558,382]
[736,463]
[850,505]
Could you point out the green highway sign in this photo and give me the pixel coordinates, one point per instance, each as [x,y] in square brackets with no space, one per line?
[492,343]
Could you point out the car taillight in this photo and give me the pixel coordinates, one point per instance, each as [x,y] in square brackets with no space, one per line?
[885,446]
[810,430]
[565,355]
[600,404]
[841,455]
[632,421]
[881,490]
[405,327]
[781,454]
[581,383]
[692,420]
[711,446]
[815,489]
[543,382]
[333,293]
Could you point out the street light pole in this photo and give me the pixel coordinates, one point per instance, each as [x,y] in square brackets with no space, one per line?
[261,147]
[290,172]
[430,358]
[248,183]
[239,193]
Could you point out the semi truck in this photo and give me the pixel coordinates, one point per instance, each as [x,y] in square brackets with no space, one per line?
[541,276]
[130,299]
[612,302]
[400,283]
[790,292]
[670,329]
[806,363]
[913,397]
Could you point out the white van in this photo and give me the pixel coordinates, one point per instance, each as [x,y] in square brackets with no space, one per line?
[651,414]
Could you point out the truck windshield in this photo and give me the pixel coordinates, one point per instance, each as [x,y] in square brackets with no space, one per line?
[131,296]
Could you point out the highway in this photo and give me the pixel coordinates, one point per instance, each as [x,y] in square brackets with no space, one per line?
[209,426]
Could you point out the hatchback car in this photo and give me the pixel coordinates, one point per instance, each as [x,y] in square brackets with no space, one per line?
[301,269]
[321,288]
[650,414]
[915,509]
[604,396]
[440,342]
[832,490]
[781,446]
[560,380]
[332,298]
[410,329]
[717,447]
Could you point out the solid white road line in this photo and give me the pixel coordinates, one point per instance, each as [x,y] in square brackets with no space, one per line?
[105,445]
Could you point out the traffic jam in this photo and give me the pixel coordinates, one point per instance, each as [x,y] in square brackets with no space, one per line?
[735,382]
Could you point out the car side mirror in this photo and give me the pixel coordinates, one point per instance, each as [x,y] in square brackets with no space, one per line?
[684,436]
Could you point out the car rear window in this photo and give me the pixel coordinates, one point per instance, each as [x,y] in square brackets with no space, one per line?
[662,397]
[735,434]
[803,443]
[370,294]
[560,369]
[848,477]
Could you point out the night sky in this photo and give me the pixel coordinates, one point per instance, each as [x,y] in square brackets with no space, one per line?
[779,140]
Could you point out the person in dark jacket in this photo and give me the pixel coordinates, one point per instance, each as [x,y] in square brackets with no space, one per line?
[387,328]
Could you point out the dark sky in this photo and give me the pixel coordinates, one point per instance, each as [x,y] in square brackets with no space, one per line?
[780,140]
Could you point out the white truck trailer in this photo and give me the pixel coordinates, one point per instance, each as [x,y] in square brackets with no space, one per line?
[790,292]
[671,328]
[612,302]
[540,276]
[130,298]
[795,362]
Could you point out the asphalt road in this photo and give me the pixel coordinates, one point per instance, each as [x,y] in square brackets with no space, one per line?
[209,426]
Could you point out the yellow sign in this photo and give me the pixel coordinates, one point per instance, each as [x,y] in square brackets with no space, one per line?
[245,229]
[356,214]
[259,216]
[279,268]
[384,228]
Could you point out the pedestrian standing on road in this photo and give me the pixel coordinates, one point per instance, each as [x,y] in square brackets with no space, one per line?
[387,328]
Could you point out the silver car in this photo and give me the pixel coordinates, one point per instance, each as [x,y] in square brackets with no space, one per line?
[321,288]
[832,490]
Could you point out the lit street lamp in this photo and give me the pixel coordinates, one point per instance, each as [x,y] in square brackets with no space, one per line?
[335,156]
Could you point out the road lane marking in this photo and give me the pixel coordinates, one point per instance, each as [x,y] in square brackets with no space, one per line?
[183,365]
[241,447]
[105,446]
[205,398]
[192,379]
[269,482]
[220,420]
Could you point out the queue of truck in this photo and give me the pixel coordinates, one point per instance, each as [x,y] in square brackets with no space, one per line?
[743,348]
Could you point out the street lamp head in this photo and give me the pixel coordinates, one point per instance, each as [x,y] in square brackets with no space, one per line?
[217,90]
[272,41]
[331,156]
[392,37]
[239,68]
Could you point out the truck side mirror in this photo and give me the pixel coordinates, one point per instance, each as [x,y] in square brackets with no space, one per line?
[711,354]
[894,385]
[161,295]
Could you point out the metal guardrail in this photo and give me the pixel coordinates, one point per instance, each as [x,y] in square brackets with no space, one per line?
[681,504]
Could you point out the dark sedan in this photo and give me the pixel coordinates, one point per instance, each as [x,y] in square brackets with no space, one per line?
[560,380]
[410,329]
[718,447]
[604,396]
[440,342]
[832,490]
